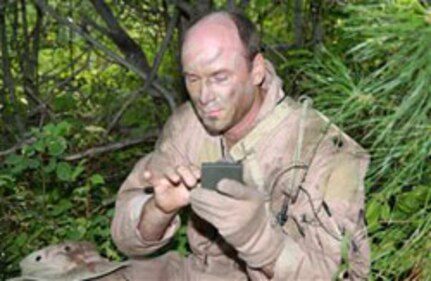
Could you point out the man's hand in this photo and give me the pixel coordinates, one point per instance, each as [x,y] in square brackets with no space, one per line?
[171,193]
[172,187]
[233,208]
[241,217]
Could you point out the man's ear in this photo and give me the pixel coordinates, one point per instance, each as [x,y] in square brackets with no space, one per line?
[258,69]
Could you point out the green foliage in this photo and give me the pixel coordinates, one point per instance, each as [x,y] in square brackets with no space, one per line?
[46,199]
[379,93]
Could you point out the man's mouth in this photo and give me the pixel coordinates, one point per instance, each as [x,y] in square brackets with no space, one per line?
[213,113]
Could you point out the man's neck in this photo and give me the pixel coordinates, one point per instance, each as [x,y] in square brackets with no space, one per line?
[246,124]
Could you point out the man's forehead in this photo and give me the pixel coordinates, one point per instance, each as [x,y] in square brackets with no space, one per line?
[211,59]
[210,40]
[201,56]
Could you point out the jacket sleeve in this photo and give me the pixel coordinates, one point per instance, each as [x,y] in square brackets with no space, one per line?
[131,197]
[325,235]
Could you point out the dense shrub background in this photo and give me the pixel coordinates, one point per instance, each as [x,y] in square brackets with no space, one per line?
[65,79]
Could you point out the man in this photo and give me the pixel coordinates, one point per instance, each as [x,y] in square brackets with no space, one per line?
[301,198]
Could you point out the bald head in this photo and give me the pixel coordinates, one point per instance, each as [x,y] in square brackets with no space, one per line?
[230,26]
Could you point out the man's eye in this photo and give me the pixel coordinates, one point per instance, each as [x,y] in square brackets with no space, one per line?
[220,78]
[191,79]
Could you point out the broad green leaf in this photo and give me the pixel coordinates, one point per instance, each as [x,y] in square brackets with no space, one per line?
[18,169]
[64,171]
[50,129]
[62,207]
[39,145]
[52,164]
[74,234]
[57,146]
[97,179]
[63,128]
[14,159]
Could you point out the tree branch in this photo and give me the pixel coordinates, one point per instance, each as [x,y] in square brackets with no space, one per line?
[92,23]
[61,84]
[230,5]
[243,4]
[297,23]
[124,42]
[25,54]
[112,147]
[46,108]
[17,146]
[52,74]
[36,43]
[185,8]
[203,6]
[316,22]
[69,23]
[92,151]
[154,70]
[7,75]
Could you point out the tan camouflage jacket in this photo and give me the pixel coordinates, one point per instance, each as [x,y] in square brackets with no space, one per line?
[323,186]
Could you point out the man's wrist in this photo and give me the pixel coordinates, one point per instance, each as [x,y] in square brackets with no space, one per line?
[154,221]
[162,211]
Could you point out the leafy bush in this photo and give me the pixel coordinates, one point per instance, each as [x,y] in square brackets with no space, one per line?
[46,200]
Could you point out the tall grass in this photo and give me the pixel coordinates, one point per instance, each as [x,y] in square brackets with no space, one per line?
[379,91]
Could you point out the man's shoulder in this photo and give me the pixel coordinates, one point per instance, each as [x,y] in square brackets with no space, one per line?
[317,127]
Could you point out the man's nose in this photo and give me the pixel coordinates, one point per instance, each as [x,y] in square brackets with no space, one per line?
[206,93]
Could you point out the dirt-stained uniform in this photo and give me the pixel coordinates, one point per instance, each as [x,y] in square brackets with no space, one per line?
[296,159]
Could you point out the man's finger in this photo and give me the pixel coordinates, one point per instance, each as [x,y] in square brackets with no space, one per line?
[172,175]
[196,171]
[150,177]
[188,177]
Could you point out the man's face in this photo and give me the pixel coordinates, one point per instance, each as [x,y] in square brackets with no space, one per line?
[218,76]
